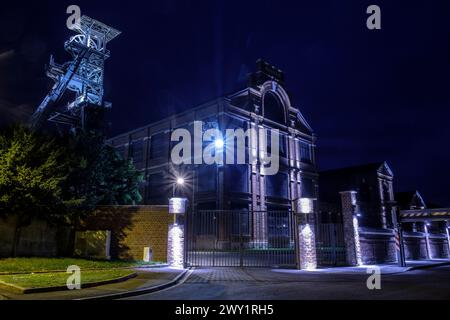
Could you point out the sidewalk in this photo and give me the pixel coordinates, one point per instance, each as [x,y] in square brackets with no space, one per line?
[387,268]
[146,278]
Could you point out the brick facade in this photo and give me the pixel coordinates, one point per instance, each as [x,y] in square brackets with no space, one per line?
[133,228]
[377,248]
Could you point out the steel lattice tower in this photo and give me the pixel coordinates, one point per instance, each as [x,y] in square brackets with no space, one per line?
[83,75]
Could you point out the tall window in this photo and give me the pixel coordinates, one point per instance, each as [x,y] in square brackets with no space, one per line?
[281,143]
[273,108]
[137,151]
[157,190]
[308,189]
[305,152]
[236,178]
[206,178]
[159,146]
[277,185]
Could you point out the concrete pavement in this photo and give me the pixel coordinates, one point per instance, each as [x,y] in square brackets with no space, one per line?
[284,284]
[387,268]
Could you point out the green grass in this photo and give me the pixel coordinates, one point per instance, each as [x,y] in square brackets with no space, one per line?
[42,280]
[28,265]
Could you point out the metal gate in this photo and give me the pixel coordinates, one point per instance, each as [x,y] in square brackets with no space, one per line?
[230,238]
[330,244]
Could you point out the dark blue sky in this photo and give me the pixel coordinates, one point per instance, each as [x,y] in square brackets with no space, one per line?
[369,95]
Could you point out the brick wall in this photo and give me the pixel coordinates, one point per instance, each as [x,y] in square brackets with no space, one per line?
[439,248]
[132,229]
[415,248]
[377,248]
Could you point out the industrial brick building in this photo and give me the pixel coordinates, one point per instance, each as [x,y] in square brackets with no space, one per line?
[240,216]
[264,103]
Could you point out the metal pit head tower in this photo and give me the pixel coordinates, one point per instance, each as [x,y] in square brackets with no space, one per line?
[83,75]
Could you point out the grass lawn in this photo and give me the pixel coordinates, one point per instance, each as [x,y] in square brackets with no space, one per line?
[23,265]
[42,280]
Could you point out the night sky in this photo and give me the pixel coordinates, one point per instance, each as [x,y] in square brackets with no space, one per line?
[369,95]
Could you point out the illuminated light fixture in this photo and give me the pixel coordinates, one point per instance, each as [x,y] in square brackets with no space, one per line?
[177,205]
[218,143]
[176,236]
[359,215]
[180,181]
[305,205]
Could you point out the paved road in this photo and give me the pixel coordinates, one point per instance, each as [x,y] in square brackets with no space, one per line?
[265,284]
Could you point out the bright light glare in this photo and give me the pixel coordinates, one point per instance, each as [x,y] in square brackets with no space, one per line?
[180,181]
[218,143]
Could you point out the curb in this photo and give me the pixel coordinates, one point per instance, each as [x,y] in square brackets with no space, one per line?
[178,279]
[429,266]
[162,265]
[20,290]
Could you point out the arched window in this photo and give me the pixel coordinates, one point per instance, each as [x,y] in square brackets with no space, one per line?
[273,108]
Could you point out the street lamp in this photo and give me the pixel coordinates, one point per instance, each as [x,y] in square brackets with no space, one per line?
[178,182]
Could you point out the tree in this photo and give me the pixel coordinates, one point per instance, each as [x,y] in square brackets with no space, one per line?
[98,176]
[31,179]
[61,180]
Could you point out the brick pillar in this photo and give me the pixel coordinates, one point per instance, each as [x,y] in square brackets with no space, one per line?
[351,228]
[175,246]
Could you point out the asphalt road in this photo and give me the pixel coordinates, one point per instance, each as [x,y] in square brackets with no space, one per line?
[279,284]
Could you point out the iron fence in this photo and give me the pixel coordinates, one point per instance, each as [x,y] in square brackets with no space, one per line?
[330,245]
[240,238]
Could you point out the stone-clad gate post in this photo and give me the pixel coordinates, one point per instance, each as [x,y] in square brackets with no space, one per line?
[305,234]
[351,228]
[175,241]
